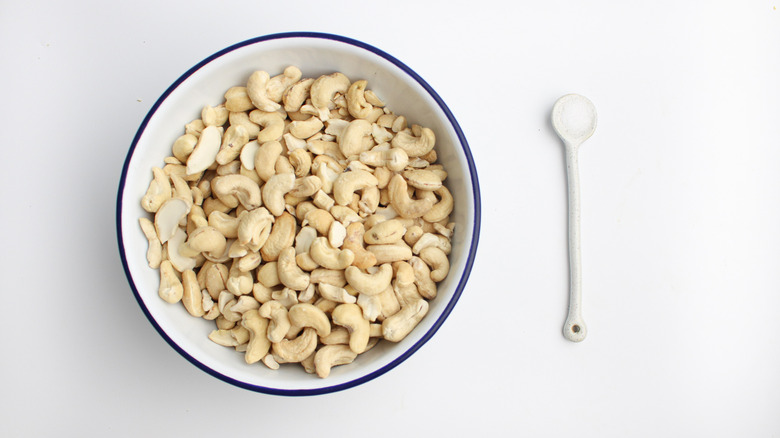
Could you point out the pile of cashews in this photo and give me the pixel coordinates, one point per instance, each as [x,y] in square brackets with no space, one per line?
[302,216]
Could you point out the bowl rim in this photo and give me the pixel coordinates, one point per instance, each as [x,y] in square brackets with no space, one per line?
[472,249]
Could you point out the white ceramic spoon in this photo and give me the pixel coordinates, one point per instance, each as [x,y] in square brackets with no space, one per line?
[574,120]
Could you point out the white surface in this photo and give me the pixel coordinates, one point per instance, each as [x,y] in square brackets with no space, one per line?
[680,228]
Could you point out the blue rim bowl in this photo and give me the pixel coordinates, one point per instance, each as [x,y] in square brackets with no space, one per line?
[404,91]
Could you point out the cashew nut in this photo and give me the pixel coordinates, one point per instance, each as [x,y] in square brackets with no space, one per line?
[369,284]
[441,209]
[277,85]
[335,293]
[233,141]
[430,239]
[325,87]
[183,147]
[437,260]
[306,128]
[272,123]
[279,322]
[423,179]
[168,216]
[398,326]
[356,100]
[306,187]
[274,190]
[295,95]
[158,192]
[309,315]
[256,91]
[240,186]
[388,253]
[298,349]
[350,315]
[301,161]
[422,278]
[265,159]
[289,273]
[282,235]
[356,138]
[180,262]
[329,257]
[171,289]
[205,152]
[154,252]
[258,345]
[204,239]
[402,203]
[330,356]
[390,231]
[350,182]
[354,242]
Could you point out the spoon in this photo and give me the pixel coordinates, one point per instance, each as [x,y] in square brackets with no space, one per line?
[574,120]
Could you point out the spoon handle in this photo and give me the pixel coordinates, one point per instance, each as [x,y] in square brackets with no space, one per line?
[574,329]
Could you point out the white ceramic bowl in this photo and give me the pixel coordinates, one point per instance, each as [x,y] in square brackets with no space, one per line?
[402,90]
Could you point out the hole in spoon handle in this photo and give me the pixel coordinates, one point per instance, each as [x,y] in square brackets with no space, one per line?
[575,329]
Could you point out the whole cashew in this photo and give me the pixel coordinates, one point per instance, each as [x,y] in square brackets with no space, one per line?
[437,260]
[279,321]
[265,159]
[272,123]
[441,209]
[306,187]
[415,146]
[306,128]
[254,227]
[398,326]
[240,186]
[298,349]
[369,284]
[390,231]
[274,190]
[351,316]
[422,179]
[325,87]
[335,293]
[183,147]
[309,315]
[226,224]
[192,297]
[356,100]
[237,100]
[328,257]
[354,242]
[332,355]
[356,138]
[259,345]
[204,239]
[289,273]
[233,141]
[350,182]
[282,235]
[278,84]
[256,91]
[402,203]
[422,278]
[294,96]
[393,252]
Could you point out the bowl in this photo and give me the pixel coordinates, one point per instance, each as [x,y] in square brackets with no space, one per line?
[404,92]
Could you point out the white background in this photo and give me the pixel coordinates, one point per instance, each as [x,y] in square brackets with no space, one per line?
[680,224]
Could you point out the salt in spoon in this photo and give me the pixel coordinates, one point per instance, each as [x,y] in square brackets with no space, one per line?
[574,120]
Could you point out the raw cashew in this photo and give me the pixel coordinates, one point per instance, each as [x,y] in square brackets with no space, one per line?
[356,138]
[183,147]
[329,276]
[309,315]
[158,192]
[274,190]
[395,159]
[350,182]
[256,91]
[233,141]
[237,100]
[356,100]
[279,321]
[265,159]
[354,242]
[422,179]
[369,284]
[301,161]
[226,224]
[272,123]
[298,349]
[240,186]
[441,209]
[329,257]
[402,203]
[205,152]
[335,293]
[168,216]
[332,355]
[282,236]
[306,187]
[180,262]
[277,85]
[254,227]
[415,146]
[154,252]
[259,345]
[422,278]
[192,297]
[398,326]
[171,289]
[390,231]
[204,239]
[351,316]
[388,253]
[294,96]
[325,87]
[437,260]
[306,128]
[289,273]
[435,240]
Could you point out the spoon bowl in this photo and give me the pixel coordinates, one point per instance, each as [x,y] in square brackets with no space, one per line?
[574,119]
